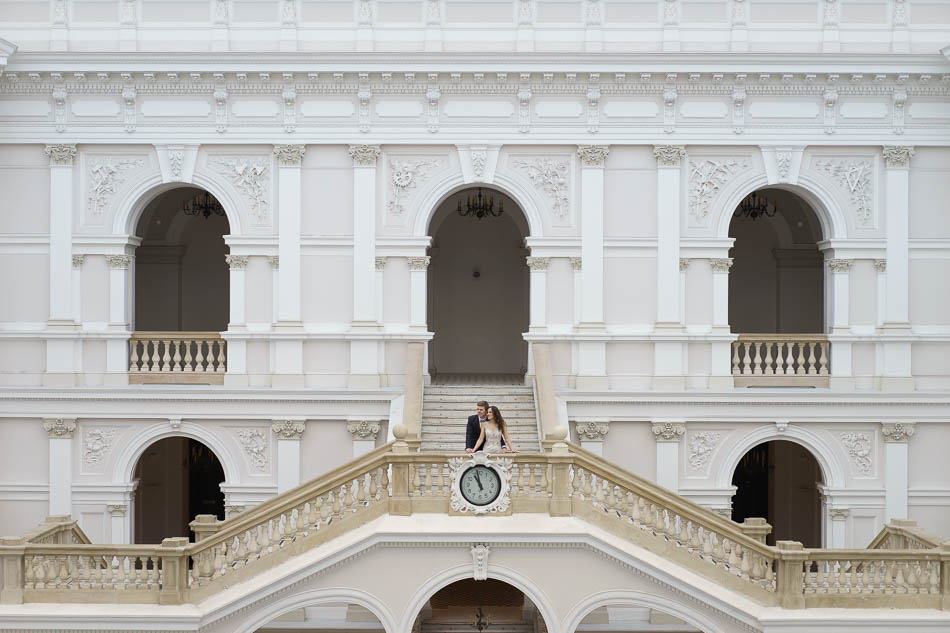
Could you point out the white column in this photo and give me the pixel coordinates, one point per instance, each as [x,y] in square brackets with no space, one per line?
[77,288]
[592,233]
[238,290]
[591,435]
[118,290]
[274,262]
[288,432]
[840,294]
[896,460]
[880,265]
[684,267]
[417,291]
[118,513]
[668,434]
[897,355]
[289,158]
[839,524]
[669,159]
[364,434]
[721,351]
[577,267]
[364,233]
[538,302]
[380,278]
[60,432]
[60,232]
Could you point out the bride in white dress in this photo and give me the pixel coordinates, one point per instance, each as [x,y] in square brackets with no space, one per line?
[493,430]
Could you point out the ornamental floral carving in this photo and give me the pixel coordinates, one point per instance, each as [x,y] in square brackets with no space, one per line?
[251,176]
[59,427]
[897,431]
[254,442]
[78,261]
[592,431]
[668,431]
[61,154]
[669,155]
[288,429]
[858,446]
[706,180]
[854,176]
[363,429]
[839,265]
[538,264]
[783,161]
[479,158]
[381,263]
[577,264]
[551,176]
[407,175]
[880,265]
[418,263]
[898,156]
[480,561]
[289,155]
[118,262]
[236,262]
[593,155]
[701,446]
[96,444]
[105,176]
[176,159]
[721,265]
[364,155]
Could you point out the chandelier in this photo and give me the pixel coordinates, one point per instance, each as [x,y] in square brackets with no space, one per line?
[478,207]
[755,206]
[203,204]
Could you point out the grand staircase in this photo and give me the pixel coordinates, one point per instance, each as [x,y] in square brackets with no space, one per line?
[446,407]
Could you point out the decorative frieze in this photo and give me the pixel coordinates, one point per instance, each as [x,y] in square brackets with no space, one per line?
[854,177]
[105,177]
[897,431]
[288,429]
[289,155]
[738,13]
[538,264]
[701,446]
[721,264]
[832,14]
[552,177]
[706,179]
[61,154]
[406,176]
[480,561]
[254,442]
[858,447]
[898,157]
[593,155]
[418,263]
[364,155]
[236,262]
[669,155]
[668,431]
[118,262]
[590,431]
[479,158]
[363,429]
[60,428]
[364,16]
[900,13]
[96,443]
[839,265]
[252,177]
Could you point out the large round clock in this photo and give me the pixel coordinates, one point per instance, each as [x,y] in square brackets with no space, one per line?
[480,485]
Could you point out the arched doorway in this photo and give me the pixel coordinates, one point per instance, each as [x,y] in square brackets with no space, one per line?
[181,276]
[479,605]
[778,481]
[633,619]
[478,288]
[776,282]
[178,479]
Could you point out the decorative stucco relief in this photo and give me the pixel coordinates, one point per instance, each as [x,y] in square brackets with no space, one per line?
[96,443]
[858,446]
[854,177]
[105,177]
[405,177]
[252,178]
[550,176]
[254,442]
[701,446]
[706,180]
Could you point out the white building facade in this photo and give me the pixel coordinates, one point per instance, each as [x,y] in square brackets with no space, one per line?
[722,259]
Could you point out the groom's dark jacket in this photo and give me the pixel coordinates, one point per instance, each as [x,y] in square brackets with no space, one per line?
[472,430]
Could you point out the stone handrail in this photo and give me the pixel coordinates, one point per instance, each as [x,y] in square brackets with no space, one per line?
[56,530]
[198,357]
[778,360]
[567,481]
[904,534]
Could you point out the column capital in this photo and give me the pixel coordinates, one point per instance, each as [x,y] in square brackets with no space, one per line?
[593,155]
[381,263]
[61,154]
[289,155]
[274,261]
[897,432]
[668,431]
[538,264]
[896,157]
[60,428]
[591,431]
[721,265]
[839,514]
[684,264]
[880,265]
[418,263]
[236,262]
[118,261]
[363,429]
[78,261]
[117,509]
[577,264]
[364,155]
[669,155]
[288,429]
[839,265]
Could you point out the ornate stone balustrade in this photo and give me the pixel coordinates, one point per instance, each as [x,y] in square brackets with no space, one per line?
[904,534]
[567,481]
[177,357]
[780,360]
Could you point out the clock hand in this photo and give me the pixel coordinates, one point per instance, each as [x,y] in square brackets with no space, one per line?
[478,480]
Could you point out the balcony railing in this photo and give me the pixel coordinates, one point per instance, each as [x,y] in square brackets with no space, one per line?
[780,360]
[177,358]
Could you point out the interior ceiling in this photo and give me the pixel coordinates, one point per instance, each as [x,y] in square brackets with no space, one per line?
[477,593]
[793,211]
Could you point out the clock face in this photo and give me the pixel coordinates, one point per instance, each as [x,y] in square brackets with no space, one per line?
[480,485]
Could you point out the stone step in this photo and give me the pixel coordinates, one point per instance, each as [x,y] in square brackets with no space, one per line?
[476,392]
[470,402]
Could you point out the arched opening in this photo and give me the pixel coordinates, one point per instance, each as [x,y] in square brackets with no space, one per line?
[478,289]
[633,619]
[481,605]
[181,291]
[776,292]
[178,479]
[778,481]
[327,617]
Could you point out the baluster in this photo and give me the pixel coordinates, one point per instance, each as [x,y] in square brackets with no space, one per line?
[264,541]
[732,559]
[134,356]
[768,360]
[599,493]
[337,508]
[153,573]
[812,365]
[746,359]
[154,357]
[823,361]
[758,568]
[789,358]
[63,563]
[84,573]
[199,362]
[428,488]
[302,519]
[524,479]
[252,546]
[588,486]
[757,368]
[220,364]
[611,499]
[109,574]
[439,483]
[324,510]
[745,567]
[416,483]
[718,551]
[910,577]
[176,355]
[934,585]
[646,513]
[576,482]
[384,492]
[683,537]
[922,579]
[800,368]
[735,358]
[866,576]
[821,578]
[694,542]
[373,485]
[167,357]
[188,365]
[853,577]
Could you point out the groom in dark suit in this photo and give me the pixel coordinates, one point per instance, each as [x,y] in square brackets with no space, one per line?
[474,427]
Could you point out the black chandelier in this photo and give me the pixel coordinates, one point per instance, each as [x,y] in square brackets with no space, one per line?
[478,207]
[755,206]
[203,204]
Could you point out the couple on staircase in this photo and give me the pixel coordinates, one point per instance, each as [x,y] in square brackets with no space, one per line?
[486,430]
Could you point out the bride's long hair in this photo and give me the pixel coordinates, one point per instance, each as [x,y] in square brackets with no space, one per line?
[498,420]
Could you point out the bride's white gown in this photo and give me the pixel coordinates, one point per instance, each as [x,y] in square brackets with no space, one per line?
[492,440]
